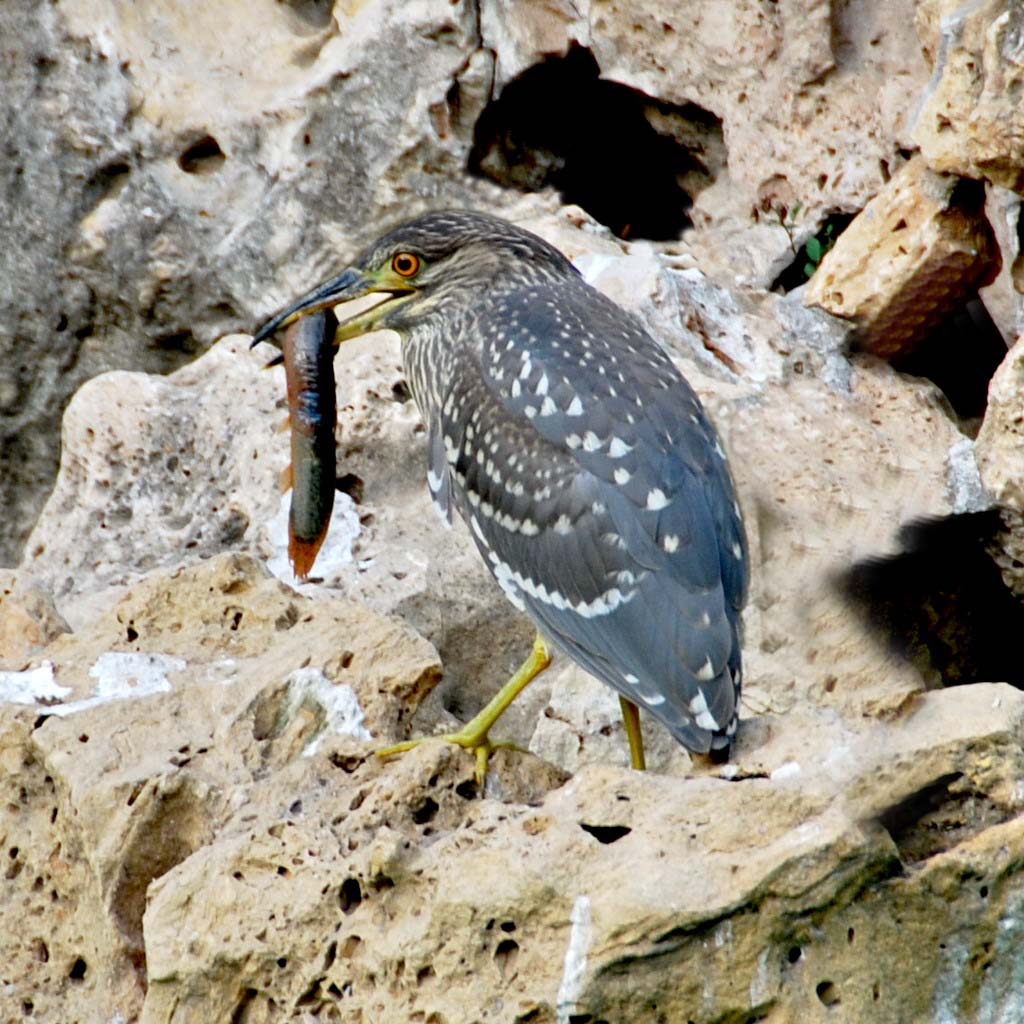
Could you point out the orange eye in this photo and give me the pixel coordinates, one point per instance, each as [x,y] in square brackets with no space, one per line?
[405,264]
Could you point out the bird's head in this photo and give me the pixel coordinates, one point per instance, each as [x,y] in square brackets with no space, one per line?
[449,254]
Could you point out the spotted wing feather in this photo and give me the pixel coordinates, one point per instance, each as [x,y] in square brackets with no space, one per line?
[602,505]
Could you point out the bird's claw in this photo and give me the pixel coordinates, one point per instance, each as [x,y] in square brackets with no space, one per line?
[478,744]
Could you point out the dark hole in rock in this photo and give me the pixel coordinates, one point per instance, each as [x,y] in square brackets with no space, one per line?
[506,954]
[78,969]
[105,182]
[183,342]
[425,812]
[827,993]
[632,162]
[400,392]
[312,994]
[959,357]
[942,603]
[350,895]
[352,485]
[939,816]
[204,156]
[796,273]
[315,13]
[348,763]
[467,789]
[606,833]
[131,635]
[794,953]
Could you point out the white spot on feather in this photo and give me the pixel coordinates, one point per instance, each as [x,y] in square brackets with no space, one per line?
[656,499]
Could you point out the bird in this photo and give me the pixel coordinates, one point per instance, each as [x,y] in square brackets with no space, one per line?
[594,485]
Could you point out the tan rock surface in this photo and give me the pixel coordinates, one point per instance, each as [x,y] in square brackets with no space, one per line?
[173,703]
[970,120]
[29,620]
[910,257]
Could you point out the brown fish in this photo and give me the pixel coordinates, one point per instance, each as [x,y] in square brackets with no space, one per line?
[308,352]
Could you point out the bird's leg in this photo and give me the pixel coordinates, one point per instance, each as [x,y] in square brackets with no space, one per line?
[473,736]
[631,720]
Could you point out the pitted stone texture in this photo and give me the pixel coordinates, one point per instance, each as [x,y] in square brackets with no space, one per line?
[908,259]
[970,120]
[106,791]
[815,98]
[621,895]
[1000,444]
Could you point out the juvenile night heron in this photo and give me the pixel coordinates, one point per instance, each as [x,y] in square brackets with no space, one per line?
[593,483]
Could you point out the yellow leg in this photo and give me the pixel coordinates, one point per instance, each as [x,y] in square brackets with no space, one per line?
[473,735]
[631,720]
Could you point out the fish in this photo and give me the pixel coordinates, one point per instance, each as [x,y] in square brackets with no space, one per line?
[308,356]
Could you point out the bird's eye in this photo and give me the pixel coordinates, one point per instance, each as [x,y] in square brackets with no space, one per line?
[405,264]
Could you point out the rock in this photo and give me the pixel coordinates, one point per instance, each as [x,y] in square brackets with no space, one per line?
[913,254]
[29,620]
[171,705]
[1004,297]
[278,880]
[814,105]
[998,451]
[168,198]
[970,122]
[999,444]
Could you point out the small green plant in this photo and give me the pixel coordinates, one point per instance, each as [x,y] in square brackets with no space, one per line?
[816,248]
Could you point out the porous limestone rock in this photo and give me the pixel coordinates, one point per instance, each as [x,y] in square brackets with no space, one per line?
[970,120]
[160,181]
[815,100]
[909,258]
[160,715]
[193,824]
[226,847]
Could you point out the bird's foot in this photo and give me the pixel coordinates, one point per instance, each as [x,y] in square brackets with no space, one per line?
[472,739]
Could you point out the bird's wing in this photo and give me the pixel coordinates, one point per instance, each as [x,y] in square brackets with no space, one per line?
[615,543]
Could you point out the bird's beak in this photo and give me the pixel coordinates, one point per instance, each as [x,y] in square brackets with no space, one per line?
[350,284]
